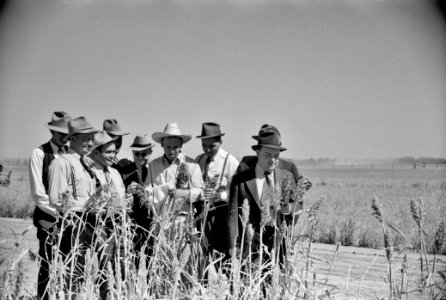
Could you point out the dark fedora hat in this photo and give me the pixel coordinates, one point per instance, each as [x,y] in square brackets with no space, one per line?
[111,126]
[59,122]
[266,128]
[209,130]
[79,125]
[270,140]
[141,142]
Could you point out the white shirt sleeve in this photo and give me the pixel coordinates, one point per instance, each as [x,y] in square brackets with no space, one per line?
[38,193]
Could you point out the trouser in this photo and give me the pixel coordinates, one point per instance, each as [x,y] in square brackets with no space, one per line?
[44,224]
[77,237]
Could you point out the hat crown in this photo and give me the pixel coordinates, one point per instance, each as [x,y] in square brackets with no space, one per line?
[210,129]
[79,124]
[101,138]
[59,121]
[270,138]
[172,129]
[264,129]
[112,126]
[141,141]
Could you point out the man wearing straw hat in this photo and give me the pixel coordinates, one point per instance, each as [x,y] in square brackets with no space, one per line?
[217,168]
[134,176]
[44,215]
[268,205]
[70,185]
[174,175]
[103,153]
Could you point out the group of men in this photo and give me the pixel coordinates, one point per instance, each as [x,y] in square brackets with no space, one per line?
[215,176]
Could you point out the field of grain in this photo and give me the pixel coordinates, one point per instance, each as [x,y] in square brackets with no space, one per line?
[344,257]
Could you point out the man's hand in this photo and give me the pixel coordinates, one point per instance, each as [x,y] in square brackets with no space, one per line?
[285,209]
[131,189]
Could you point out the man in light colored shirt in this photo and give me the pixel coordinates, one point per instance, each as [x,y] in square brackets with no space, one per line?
[103,154]
[70,186]
[174,174]
[44,216]
[217,168]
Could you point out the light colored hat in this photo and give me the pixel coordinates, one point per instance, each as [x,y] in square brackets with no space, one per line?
[79,125]
[141,142]
[171,130]
[101,138]
[59,122]
[270,140]
[111,126]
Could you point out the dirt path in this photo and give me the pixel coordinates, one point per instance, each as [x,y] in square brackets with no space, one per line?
[352,267]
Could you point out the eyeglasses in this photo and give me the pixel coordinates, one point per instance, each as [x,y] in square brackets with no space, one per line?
[143,154]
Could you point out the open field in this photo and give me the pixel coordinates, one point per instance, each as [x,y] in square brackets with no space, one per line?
[355,273]
[358,270]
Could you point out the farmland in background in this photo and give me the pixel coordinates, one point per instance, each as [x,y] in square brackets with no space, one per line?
[346,191]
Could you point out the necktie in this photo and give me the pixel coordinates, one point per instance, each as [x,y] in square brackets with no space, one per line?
[267,188]
[89,171]
[107,175]
[62,150]
[206,169]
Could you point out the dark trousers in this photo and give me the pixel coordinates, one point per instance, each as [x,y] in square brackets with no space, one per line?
[44,224]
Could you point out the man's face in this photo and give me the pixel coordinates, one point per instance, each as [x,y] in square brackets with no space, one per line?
[59,138]
[106,156]
[268,158]
[82,143]
[172,147]
[118,142]
[211,146]
[141,158]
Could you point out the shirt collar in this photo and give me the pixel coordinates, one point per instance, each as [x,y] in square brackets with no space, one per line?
[260,173]
[54,147]
[73,153]
[179,159]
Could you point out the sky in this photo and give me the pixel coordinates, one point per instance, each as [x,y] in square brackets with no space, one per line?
[339,79]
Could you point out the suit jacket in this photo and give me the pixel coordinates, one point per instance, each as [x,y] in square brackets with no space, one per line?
[140,214]
[243,186]
[249,162]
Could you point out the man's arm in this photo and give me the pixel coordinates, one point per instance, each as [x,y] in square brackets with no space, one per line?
[232,217]
[38,192]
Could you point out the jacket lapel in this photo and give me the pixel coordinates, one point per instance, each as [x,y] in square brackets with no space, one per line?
[252,187]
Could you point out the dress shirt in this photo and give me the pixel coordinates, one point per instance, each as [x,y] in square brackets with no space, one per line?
[260,179]
[38,193]
[215,168]
[162,176]
[59,180]
[116,183]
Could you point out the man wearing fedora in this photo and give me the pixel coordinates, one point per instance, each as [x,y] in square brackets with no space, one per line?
[267,209]
[67,175]
[167,172]
[217,168]
[44,216]
[251,160]
[134,176]
[113,129]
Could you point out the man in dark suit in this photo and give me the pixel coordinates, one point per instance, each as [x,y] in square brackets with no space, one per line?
[134,174]
[266,189]
[250,161]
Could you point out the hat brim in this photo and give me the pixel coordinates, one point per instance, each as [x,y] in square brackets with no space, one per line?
[58,129]
[140,148]
[209,136]
[158,136]
[83,131]
[112,140]
[256,147]
[256,137]
[117,133]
